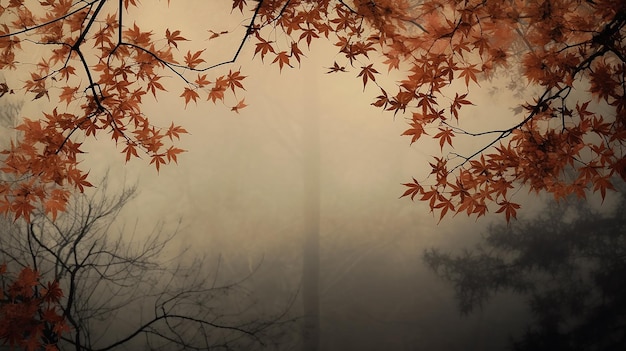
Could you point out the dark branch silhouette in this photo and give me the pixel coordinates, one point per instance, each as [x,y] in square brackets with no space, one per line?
[113,276]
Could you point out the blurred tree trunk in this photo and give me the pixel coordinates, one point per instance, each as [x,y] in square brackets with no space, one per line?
[311,179]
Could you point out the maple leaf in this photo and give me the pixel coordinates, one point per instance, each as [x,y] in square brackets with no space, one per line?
[309,34]
[28,279]
[216,34]
[619,167]
[172,153]
[263,47]
[444,206]
[241,104]
[469,73]
[295,52]
[52,293]
[367,72]
[201,81]
[66,72]
[416,131]
[154,85]
[79,179]
[173,37]
[61,328]
[193,60]
[467,204]
[175,131]
[158,160]
[233,80]
[509,209]
[216,93]
[336,68]
[67,95]
[445,136]
[602,184]
[189,94]
[136,36]
[602,84]
[22,207]
[382,100]
[283,59]
[50,315]
[431,196]
[40,93]
[54,206]
[128,3]
[459,101]
[392,62]
[413,189]
[239,4]
[130,150]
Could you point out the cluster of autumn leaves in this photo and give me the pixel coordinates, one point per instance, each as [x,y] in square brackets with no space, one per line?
[102,67]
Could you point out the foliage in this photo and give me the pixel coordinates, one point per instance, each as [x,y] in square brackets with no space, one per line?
[99,67]
[569,263]
[30,315]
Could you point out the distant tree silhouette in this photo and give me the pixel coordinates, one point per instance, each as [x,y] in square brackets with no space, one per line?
[570,262]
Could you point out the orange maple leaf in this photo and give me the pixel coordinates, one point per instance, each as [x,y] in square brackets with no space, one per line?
[296,52]
[175,131]
[130,150]
[413,189]
[336,68]
[193,60]
[67,95]
[263,47]
[137,37]
[172,153]
[173,37]
[54,206]
[469,73]
[241,104]
[445,136]
[189,94]
[283,59]
[22,207]
[233,80]
[509,209]
[367,72]
[416,131]
[157,160]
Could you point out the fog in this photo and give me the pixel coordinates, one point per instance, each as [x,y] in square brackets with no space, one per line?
[240,193]
[238,198]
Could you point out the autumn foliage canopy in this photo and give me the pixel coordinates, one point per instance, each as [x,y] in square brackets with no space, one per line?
[98,65]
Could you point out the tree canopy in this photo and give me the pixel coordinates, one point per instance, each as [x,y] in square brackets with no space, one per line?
[99,67]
